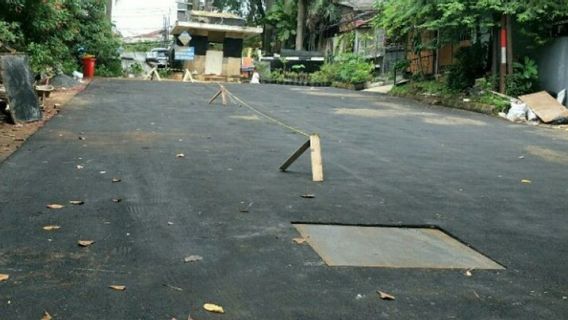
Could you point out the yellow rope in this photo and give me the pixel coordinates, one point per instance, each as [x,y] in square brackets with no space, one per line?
[280,123]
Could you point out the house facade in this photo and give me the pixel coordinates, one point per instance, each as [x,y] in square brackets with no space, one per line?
[217,42]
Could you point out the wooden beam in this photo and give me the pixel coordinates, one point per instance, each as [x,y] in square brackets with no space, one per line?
[223,93]
[187,76]
[223,96]
[295,156]
[215,96]
[317,160]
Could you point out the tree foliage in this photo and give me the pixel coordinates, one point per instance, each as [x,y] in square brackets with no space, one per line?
[55,32]
[402,17]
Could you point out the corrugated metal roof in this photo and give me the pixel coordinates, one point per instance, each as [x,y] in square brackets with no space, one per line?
[360,5]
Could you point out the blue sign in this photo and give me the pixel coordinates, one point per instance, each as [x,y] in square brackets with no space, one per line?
[184,53]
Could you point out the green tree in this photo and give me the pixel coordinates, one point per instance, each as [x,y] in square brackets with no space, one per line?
[51,32]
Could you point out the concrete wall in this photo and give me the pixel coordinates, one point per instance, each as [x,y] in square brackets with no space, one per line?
[553,66]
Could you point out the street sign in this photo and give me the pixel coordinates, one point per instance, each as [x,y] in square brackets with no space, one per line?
[184,53]
[184,38]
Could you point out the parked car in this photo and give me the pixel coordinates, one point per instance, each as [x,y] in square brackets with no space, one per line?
[158,57]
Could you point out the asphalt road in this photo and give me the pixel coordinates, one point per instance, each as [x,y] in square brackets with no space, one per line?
[387,161]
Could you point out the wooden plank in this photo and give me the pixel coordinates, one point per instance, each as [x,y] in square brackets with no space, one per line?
[545,106]
[187,76]
[223,96]
[295,156]
[157,74]
[215,96]
[317,160]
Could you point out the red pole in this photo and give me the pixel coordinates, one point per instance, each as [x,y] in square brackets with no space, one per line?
[503,66]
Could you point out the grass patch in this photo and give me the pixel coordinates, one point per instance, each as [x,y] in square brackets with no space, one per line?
[436,92]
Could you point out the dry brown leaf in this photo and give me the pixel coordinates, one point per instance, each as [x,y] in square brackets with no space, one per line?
[55,206]
[116,179]
[193,258]
[4,277]
[85,243]
[82,138]
[51,228]
[385,296]
[77,202]
[180,155]
[468,273]
[526,181]
[308,196]
[116,200]
[46,316]
[117,287]
[213,308]
[300,240]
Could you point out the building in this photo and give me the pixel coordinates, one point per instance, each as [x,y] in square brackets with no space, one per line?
[217,42]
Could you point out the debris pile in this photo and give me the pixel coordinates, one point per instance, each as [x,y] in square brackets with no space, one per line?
[538,107]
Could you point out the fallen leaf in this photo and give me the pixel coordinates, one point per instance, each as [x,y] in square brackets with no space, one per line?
[51,228]
[213,308]
[85,243]
[46,316]
[116,179]
[385,296]
[170,223]
[77,202]
[308,196]
[526,181]
[300,240]
[82,138]
[55,206]
[468,273]
[102,172]
[4,277]
[193,258]
[180,155]
[117,287]
[116,200]
[80,167]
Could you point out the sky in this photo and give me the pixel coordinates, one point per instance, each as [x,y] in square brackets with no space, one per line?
[135,17]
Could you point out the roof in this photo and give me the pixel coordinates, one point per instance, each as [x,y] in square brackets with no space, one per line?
[182,26]
[359,5]
[211,14]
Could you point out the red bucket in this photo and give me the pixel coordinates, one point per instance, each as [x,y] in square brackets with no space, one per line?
[89,67]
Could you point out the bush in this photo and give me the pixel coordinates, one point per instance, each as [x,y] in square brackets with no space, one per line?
[524,78]
[353,69]
[470,66]
[135,69]
[110,69]
[347,68]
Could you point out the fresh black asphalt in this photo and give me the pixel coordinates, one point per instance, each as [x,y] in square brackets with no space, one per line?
[387,161]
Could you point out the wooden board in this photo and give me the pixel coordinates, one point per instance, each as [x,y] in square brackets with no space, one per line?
[20,93]
[545,106]
[317,161]
[214,62]
[295,156]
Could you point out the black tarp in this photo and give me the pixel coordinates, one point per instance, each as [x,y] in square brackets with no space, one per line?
[233,48]
[17,79]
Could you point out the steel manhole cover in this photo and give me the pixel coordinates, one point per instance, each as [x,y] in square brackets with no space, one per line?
[391,247]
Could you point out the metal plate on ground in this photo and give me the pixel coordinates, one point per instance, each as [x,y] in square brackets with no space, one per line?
[391,247]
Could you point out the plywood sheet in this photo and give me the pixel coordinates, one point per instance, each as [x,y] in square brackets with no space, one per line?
[214,62]
[391,247]
[545,106]
[21,96]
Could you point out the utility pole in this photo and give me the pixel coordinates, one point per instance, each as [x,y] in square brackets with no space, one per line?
[503,54]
